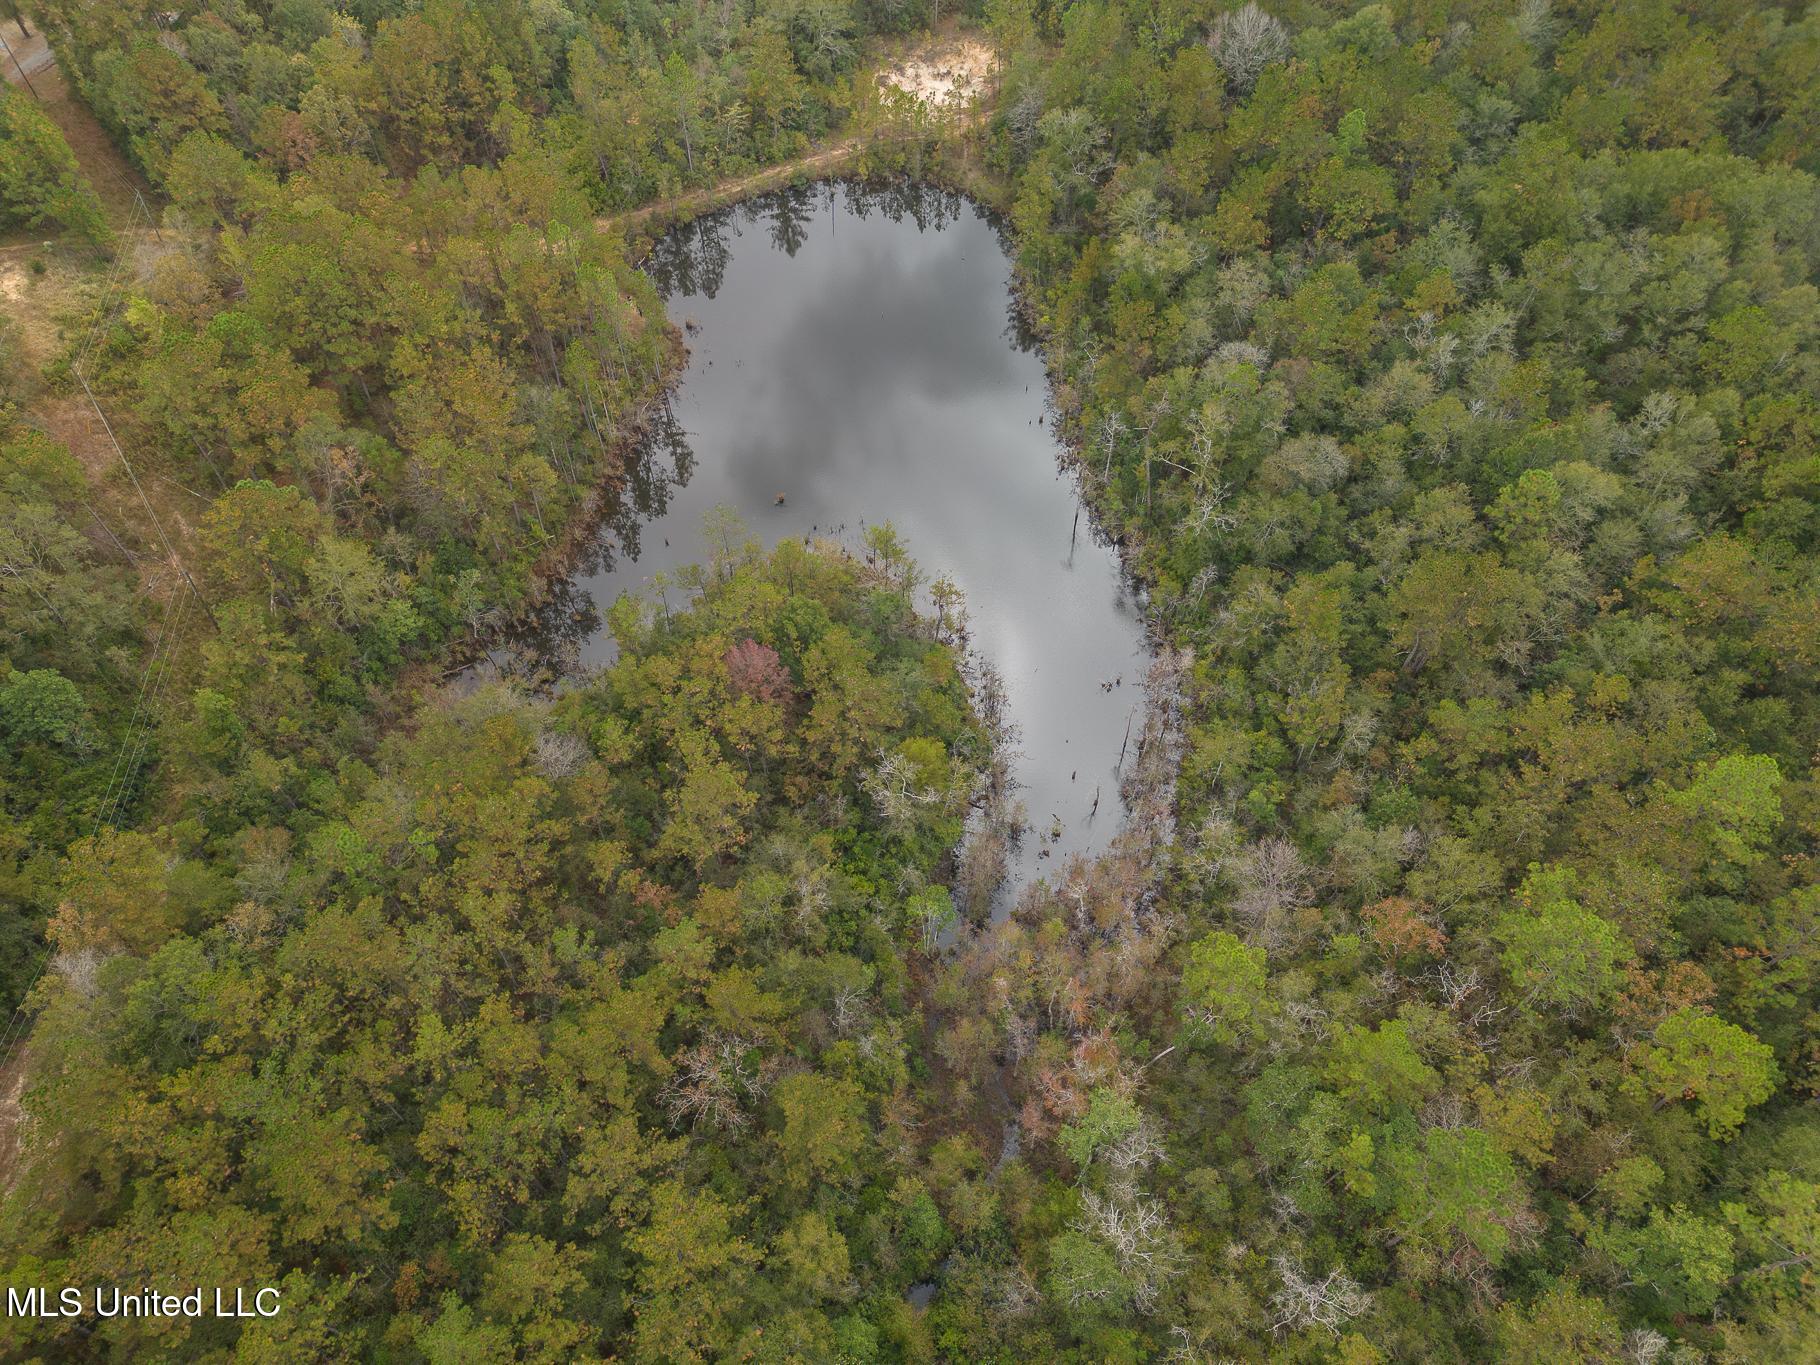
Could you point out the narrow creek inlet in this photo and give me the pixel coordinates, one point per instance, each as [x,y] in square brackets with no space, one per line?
[854,359]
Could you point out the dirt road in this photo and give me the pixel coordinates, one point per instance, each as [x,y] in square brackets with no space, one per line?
[23,57]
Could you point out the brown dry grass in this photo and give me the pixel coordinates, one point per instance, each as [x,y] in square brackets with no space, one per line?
[50,293]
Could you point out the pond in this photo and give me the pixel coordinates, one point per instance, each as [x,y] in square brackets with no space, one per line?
[855,358]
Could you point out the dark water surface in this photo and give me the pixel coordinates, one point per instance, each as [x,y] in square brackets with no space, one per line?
[856,352]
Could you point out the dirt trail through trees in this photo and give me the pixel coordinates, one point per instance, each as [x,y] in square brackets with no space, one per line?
[947,75]
[694,202]
[115,178]
[814,165]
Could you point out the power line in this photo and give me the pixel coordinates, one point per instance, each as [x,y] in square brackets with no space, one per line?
[22,76]
[151,710]
[132,744]
[157,667]
[116,276]
[140,703]
[144,501]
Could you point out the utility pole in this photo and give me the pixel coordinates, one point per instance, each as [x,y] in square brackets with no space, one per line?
[21,70]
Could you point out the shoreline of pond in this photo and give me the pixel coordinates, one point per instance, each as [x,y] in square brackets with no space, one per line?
[823,292]
[564,568]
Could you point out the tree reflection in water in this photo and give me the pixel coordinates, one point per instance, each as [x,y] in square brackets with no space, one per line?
[692,259]
[856,354]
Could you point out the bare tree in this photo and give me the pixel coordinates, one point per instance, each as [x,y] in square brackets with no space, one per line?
[1138,1235]
[80,969]
[1245,41]
[559,753]
[894,790]
[712,1084]
[1273,883]
[1302,1302]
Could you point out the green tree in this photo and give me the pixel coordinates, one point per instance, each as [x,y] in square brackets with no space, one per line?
[1721,1067]
[1225,986]
[1562,1324]
[1681,1259]
[822,1128]
[1456,1189]
[1735,804]
[1562,956]
[1380,1069]
[41,706]
[40,181]
[1109,1120]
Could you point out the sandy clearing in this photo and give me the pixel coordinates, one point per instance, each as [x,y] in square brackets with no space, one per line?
[951,72]
[35,299]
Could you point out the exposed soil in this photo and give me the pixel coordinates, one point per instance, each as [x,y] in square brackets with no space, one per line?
[951,72]
[38,288]
[49,290]
[693,203]
[113,176]
[30,54]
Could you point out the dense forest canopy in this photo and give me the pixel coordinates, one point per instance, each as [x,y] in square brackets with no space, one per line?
[1449,371]
[585,1005]
[635,99]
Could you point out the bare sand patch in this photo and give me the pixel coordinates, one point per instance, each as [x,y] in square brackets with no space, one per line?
[33,300]
[950,73]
